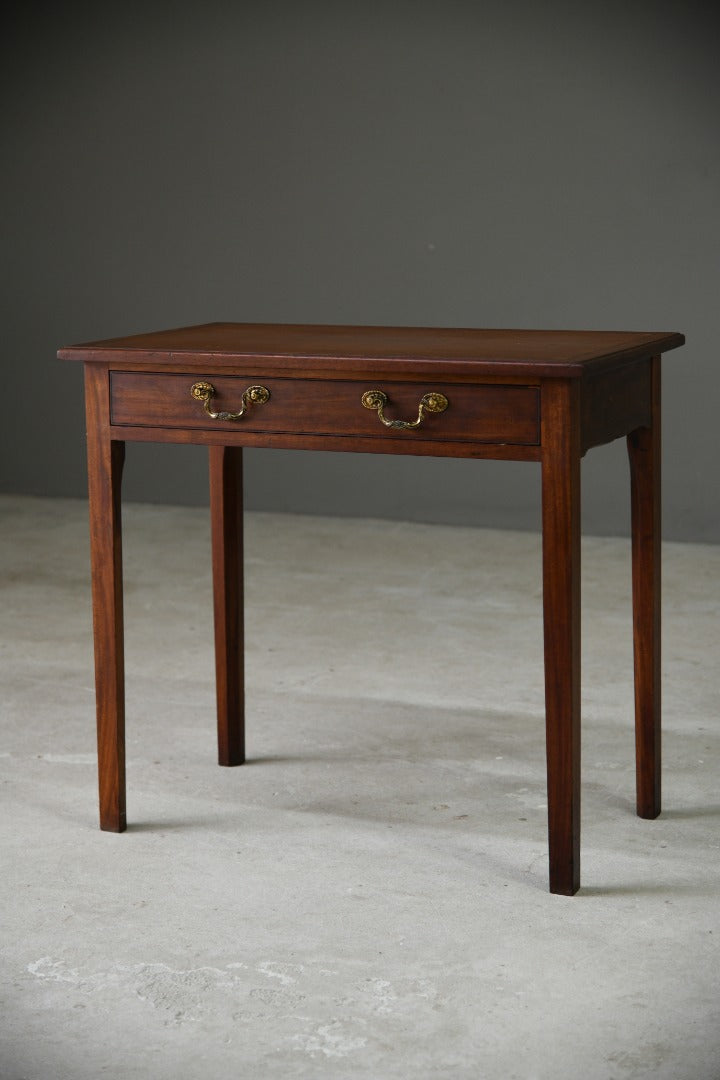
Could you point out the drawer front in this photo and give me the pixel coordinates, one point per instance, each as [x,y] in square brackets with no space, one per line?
[482,412]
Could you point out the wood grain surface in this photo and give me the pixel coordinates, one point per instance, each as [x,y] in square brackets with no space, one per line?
[378,349]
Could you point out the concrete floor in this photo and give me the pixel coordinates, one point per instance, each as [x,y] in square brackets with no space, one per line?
[368,897]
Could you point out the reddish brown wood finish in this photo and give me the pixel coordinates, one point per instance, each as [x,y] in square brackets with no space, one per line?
[389,350]
[561,604]
[591,387]
[356,444]
[105,462]
[480,413]
[615,402]
[226,515]
[644,453]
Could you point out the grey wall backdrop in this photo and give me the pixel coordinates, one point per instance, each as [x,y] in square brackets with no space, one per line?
[458,163]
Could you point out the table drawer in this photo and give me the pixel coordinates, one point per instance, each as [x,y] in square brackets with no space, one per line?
[475,412]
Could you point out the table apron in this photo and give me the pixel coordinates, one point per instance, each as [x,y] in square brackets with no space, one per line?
[329,414]
[332,443]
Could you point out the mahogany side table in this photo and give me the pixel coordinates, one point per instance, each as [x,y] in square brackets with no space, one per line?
[524,395]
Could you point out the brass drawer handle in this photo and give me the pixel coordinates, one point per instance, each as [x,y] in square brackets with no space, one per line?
[429,403]
[205,392]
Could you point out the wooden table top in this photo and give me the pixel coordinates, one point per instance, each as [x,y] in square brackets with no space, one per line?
[424,349]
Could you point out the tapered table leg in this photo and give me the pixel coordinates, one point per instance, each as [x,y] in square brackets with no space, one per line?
[226,512]
[105,463]
[644,453]
[561,602]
